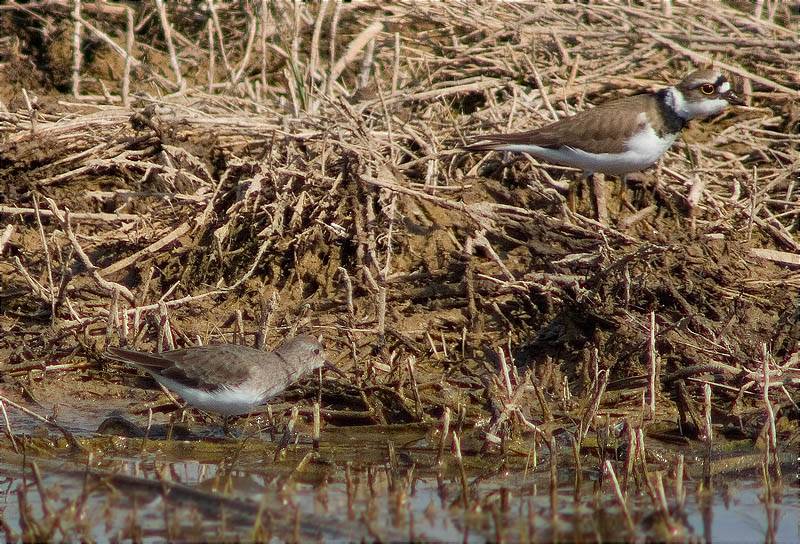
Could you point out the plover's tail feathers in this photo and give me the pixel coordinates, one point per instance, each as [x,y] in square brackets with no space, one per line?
[515,141]
[482,144]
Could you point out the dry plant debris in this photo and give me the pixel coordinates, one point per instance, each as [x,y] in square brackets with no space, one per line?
[244,171]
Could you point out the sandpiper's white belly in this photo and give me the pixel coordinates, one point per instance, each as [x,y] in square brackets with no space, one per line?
[644,149]
[227,401]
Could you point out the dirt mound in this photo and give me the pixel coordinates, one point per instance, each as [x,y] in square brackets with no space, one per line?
[311,179]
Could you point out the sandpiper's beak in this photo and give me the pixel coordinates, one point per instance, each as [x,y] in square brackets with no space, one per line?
[733,99]
[330,366]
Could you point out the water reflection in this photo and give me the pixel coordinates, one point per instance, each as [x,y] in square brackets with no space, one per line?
[147,493]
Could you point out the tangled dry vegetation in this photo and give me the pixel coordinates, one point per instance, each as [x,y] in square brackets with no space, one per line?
[246,172]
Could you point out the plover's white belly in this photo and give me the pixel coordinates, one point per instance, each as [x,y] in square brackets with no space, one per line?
[644,149]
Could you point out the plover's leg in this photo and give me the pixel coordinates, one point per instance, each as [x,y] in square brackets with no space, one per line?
[623,186]
[598,190]
[572,191]
[621,195]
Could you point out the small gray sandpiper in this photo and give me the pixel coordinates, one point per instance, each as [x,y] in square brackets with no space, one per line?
[228,379]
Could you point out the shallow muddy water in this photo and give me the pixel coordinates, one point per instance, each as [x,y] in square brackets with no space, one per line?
[375,483]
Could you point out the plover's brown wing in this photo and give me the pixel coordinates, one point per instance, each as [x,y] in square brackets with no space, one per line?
[603,129]
[203,367]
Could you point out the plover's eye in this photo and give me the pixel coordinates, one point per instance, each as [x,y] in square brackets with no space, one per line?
[707,88]
[316,351]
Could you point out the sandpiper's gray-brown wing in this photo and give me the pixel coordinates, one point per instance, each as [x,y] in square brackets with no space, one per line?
[603,129]
[203,367]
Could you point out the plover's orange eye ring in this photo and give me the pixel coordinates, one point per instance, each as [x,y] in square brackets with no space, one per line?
[707,88]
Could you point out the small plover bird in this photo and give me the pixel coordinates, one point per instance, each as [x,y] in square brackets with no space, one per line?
[624,135]
[228,379]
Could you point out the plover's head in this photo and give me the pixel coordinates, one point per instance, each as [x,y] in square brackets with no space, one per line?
[702,93]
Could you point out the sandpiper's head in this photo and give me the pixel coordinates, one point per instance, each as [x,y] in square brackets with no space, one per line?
[703,93]
[304,351]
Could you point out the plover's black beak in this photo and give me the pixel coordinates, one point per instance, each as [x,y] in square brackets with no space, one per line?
[733,99]
[330,366]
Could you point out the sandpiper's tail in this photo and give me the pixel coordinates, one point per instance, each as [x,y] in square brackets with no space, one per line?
[141,359]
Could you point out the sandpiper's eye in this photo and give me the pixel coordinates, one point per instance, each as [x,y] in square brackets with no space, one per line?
[316,351]
[707,88]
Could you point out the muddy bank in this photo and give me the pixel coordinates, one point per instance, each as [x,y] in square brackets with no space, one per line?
[310,180]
